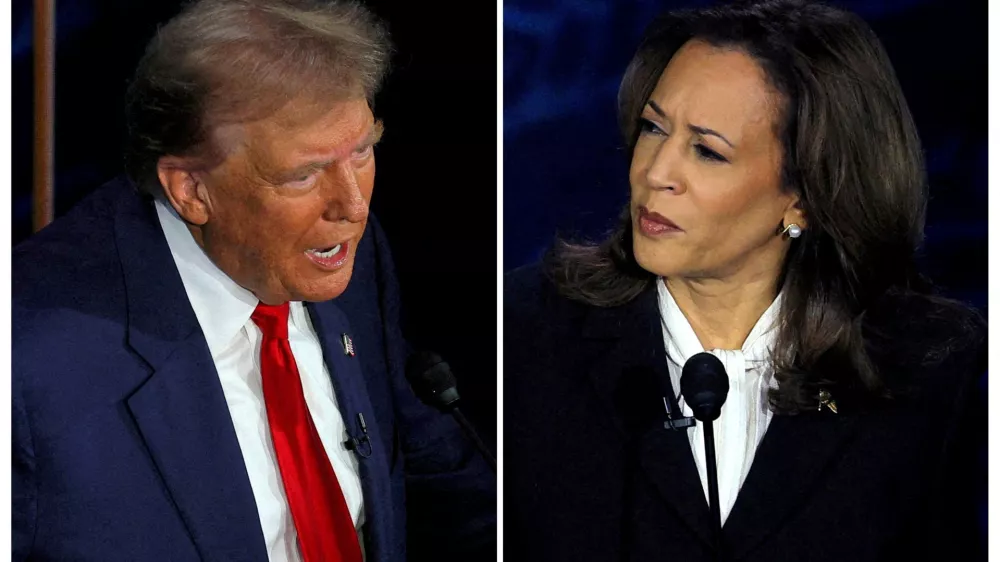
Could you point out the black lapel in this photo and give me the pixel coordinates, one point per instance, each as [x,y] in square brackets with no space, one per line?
[788,466]
[180,410]
[628,370]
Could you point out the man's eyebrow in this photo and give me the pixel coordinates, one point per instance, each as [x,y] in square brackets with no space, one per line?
[372,138]
[704,131]
[374,134]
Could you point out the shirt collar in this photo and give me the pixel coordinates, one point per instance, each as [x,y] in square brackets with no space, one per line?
[221,306]
[683,342]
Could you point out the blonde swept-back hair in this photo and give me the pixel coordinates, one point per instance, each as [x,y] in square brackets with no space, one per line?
[221,62]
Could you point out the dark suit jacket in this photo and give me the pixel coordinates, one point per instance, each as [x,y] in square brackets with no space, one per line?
[123,446]
[591,474]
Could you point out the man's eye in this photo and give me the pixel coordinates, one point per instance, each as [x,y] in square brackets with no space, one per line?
[363,153]
[303,180]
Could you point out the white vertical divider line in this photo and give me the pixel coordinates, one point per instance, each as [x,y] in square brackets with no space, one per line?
[500,270]
[993,199]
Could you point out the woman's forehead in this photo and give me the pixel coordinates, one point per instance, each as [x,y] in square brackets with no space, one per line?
[720,88]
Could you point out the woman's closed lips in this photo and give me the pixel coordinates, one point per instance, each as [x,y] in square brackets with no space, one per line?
[652,223]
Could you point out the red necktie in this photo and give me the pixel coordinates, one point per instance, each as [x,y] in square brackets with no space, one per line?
[319,510]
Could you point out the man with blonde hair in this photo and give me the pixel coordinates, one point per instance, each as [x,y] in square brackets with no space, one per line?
[207,362]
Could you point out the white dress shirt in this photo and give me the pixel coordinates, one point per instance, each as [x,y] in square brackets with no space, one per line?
[223,309]
[745,414]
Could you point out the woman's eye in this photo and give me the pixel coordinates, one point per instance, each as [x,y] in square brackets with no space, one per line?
[708,154]
[647,126]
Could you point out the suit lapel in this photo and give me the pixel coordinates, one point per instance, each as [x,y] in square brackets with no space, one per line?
[629,367]
[184,420]
[352,398]
[629,372]
[180,411]
[788,466]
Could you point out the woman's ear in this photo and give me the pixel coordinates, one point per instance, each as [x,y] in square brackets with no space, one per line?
[795,214]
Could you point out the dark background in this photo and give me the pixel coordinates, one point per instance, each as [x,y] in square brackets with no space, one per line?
[565,167]
[435,187]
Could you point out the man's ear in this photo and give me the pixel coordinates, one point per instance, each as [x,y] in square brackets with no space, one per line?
[184,190]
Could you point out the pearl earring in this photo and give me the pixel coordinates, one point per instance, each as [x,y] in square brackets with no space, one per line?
[793,230]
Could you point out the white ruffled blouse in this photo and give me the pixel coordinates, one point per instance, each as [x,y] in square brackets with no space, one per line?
[745,414]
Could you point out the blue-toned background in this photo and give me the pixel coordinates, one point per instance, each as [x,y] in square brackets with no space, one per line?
[565,170]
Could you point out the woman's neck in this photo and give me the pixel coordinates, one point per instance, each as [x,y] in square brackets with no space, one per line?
[722,313]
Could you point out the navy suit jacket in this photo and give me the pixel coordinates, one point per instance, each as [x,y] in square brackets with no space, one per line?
[592,474]
[123,446]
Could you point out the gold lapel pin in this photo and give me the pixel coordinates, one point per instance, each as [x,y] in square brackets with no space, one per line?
[826,400]
[348,345]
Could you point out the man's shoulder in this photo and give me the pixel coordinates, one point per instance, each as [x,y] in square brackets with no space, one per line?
[76,240]
[69,270]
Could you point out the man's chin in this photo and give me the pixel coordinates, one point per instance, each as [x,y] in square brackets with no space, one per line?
[327,287]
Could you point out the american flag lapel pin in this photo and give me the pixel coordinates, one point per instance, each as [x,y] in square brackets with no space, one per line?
[348,345]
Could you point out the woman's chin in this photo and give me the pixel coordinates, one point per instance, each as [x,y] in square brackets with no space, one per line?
[655,260]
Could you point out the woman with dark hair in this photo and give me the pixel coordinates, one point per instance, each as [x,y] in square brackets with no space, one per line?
[778,196]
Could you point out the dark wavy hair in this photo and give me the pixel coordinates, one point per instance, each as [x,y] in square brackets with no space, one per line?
[851,152]
[229,61]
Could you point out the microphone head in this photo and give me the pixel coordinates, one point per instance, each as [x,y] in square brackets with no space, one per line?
[704,385]
[432,380]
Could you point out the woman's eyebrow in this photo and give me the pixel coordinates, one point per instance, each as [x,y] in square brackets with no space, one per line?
[704,131]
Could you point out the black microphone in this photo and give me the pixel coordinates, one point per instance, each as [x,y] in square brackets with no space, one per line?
[704,385]
[434,384]
[357,444]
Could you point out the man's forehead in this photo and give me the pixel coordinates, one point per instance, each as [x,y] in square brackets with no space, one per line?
[302,113]
[301,132]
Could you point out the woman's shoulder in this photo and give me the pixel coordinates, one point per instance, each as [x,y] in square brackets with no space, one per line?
[917,333]
[524,286]
[530,295]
